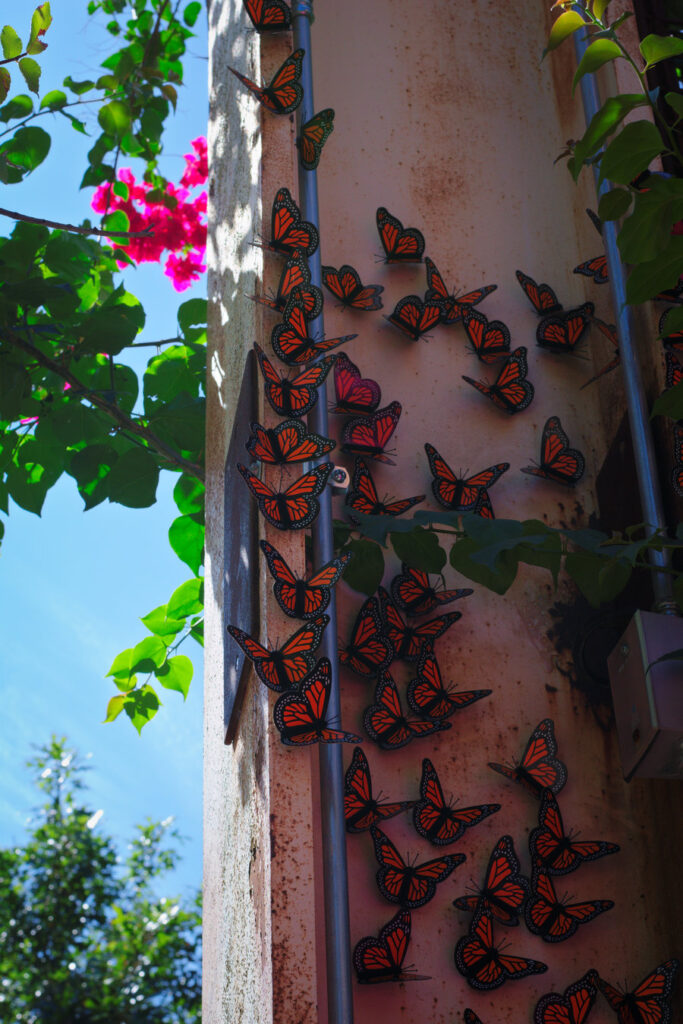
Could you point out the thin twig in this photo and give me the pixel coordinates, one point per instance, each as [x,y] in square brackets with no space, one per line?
[149,344]
[74,227]
[51,110]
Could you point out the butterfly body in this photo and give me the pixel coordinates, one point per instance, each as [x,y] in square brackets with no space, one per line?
[411,885]
[286,443]
[284,667]
[401,245]
[289,233]
[438,821]
[648,1002]
[354,394]
[345,284]
[293,397]
[408,641]
[361,810]
[539,769]
[293,509]
[300,714]
[505,891]
[302,599]
[290,340]
[363,497]
[454,306]
[381,959]
[559,462]
[571,1008]
[556,852]
[563,332]
[412,591]
[368,652]
[414,317]
[369,435]
[284,93]
[482,963]
[458,493]
[430,698]
[511,392]
[385,723]
[313,136]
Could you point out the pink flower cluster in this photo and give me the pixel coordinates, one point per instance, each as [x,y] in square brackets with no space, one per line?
[178,224]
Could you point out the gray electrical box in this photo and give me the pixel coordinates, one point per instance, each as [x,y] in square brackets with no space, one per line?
[648,697]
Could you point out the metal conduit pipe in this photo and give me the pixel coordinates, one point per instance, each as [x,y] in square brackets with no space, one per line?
[336,895]
[636,402]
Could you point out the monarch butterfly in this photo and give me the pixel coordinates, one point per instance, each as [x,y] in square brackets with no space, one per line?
[415,317]
[302,599]
[490,339]
[361,810]
[677,471]
[345,285]
[554,919]
[269,15]
[381,959]
[460,493]
[385,722]
[438,821]
[483,965]
[300,714]
[429,698]
[353,392]
[571,1008]
[285,666]
[290,340]
[412,591]
[287,442]
[595,268]
[289,233]
[411,885]
[313,136]
[555,852]
[512,392]
[293,509]
[293,397]
[560,463]
[610,332]
[539,769]
[409,641]
[647,1001]
[505,890]
[368,651]
[363,498]
[563,332]
[454,306]
[283,94]
[369,435]
[295,279]
[401,245]
[674,370]
[541,296]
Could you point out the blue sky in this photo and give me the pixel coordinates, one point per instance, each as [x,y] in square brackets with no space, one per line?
[75,584]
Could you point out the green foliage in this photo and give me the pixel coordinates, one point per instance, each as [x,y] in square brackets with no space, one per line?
[85,936]
[13,51]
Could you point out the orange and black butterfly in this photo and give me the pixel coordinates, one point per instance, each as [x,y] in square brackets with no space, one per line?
[554,919]
[369,435]
[454,306]
[610,332]
[462,494]
[295,280]
[409,641]
[555,851]
[284,667]
[313,136]
[287,442]
[415,317]
[361,810]
[430,698]
[411,885]
[284,93]
[353,393]
[674,370]
[300,714]
[368,651]
[571,1008]
[346,285]
[595,268]
[289,233]
[302,599]
[671,340]
[541,296]
[490,339]
[291,342]
[559,463]
[293,397]
[512,392]
[539,769]
[482,963]
[385,722]
[648,1001]
[363,497]
[412,591]
[293,509]
[381,959]
[505,891]
[677,471]
[269,15]
[438,821]
[401,245]
[563,332]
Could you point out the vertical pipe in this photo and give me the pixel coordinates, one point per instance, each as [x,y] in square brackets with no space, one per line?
[337,931]
[636,402]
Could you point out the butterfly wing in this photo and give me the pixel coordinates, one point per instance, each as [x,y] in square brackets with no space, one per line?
[571,1008]
[302,599]
[369,652]
[363,495]
[297,507]
[411,886]
[313,136]
[353,392]
[456,493]
[369,435]
[559,462]
[563,332]
[541,296]
[287,442]
[379,959]
[647,1001]
[360,809]
[539,769]
[553,919]
[268,15]
[512,392]
[286,666]
[415,317]
[435,820]
[292,398]
[595,268]
[505,890]
[553,850]
[411,590]
[427,695]
[490,339]
[385,723]
[483,965]
[401,245]
[289,233]
[300,714]
[284,94]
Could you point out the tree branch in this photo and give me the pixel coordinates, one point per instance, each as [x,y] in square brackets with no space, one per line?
[113,411]
[74,227]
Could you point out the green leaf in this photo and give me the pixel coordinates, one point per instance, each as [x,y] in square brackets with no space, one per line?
[30,69]
[191,13]
[565,26]
[168,375]
[673,321]
[5,83]
[675,101]
[120,189]
[599,8]
[365,570]
[614,204]
[647,232]
[498,580]
[40,23]
[114,707]
[133,479]
[419,549]
[602,125]
[141,706]
[670,403]
[148,655]
[116,221]
[192,313]
[599,578]
[176,674]
[90,468]
[18,107]
[27,148]
[78,87]
[187,599]
[655,48]
[110,328]
[186,537]
[11,43]
[114,118]
[630,152]
[647,280]
[121,665]
[53,100]
[598,53]
[189,494]
[157,622]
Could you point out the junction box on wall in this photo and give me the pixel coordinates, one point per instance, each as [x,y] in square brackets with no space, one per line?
[648,696]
